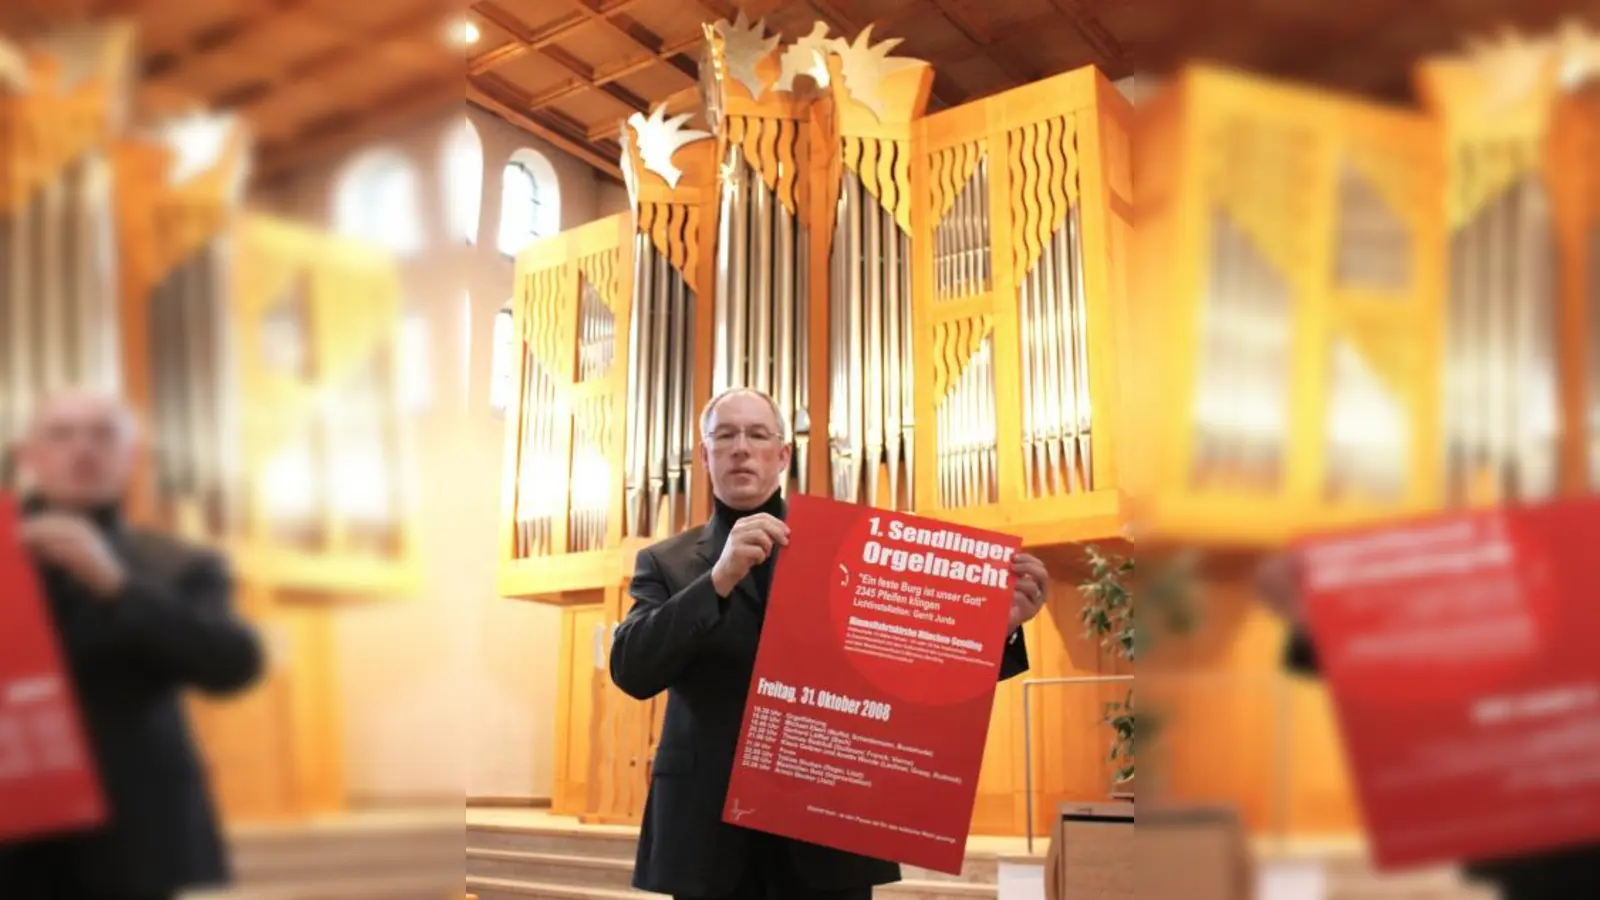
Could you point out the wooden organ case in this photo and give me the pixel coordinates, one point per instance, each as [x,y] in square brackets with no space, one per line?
[127,264]
[930,299]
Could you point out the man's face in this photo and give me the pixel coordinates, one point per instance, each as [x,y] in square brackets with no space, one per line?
[80,451]
[744,451]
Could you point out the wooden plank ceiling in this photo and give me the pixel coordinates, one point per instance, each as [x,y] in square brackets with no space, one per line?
[572,70]
[312,77]
[315,77]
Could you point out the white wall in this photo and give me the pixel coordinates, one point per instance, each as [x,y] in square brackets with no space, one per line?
[454,690]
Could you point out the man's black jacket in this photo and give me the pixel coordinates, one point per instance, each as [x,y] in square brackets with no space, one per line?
[130,658]
[680,637]
[1556,875]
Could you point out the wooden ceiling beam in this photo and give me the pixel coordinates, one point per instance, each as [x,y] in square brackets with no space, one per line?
[1303,58]
[1099,38]
[961,50]
[395,111]
[220,37]
[641,37]
[514,111]
[524,42]
[621,70]
[255,94]
[580,70]
[980,37]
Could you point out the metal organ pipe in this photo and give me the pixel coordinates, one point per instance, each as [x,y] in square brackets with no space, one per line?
[871,366]
[891,344]
[785,350]
[633,454]
[591,471]
[759,343]
[57,301]
[661,413]
[534,523]
[725,288]
[679,373]
[1503,425]
[738,251]
[763,260]
[839,298]
[854,404]
[872,394]
[660,315]
[965,418]
[189,381]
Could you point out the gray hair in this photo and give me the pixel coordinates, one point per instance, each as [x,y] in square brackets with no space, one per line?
[711,407]
[113,405]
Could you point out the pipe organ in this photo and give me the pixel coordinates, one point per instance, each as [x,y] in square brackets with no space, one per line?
[250,348]
[930,299]
[1367,311]
[61,105]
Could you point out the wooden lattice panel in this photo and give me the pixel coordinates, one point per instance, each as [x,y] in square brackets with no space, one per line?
[674,230]
[884,167]
[1044,161]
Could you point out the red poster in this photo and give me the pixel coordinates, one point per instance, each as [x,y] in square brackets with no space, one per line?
[1463,656]
[47,781]
[873,685]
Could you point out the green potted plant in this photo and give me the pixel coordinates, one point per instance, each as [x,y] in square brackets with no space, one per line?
[1108,616]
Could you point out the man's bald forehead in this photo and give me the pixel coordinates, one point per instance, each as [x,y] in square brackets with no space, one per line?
[84,405]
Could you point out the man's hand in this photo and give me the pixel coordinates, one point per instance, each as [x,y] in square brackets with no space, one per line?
[73,544]
[1278,583]
[749,544]
[1032,589]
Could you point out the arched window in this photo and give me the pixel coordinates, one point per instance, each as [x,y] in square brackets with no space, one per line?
[530,201]
[376,200]
[463,180]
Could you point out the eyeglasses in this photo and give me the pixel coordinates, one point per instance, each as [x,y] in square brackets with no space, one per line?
[727,438]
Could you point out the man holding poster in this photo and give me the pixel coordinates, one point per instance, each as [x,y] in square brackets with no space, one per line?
[699,611]
[138,618]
